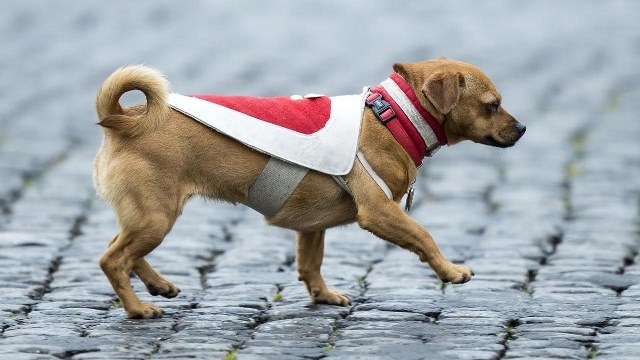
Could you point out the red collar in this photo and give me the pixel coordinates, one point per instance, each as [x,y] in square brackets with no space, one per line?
[419,133]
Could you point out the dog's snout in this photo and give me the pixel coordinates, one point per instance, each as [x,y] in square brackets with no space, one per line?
[521,128]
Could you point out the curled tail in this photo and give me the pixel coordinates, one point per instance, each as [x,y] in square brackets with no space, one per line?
[138,77]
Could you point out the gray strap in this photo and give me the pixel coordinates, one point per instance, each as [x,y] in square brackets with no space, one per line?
[343,184]
[383,186]
[414,116]
[274,186]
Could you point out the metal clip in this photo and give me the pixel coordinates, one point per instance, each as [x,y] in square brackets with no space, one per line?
[409,200]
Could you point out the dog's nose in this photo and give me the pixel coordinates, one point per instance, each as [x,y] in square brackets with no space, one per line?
[521,128]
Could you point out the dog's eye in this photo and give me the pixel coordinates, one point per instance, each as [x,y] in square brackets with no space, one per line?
[493,107]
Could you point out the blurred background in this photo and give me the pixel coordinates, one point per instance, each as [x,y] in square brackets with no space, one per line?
[550,227]
[55,55]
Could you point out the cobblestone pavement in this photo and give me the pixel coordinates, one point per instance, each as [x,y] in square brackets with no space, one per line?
[551,227]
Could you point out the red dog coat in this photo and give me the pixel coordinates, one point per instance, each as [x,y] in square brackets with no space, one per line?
[317,132]
[306,115]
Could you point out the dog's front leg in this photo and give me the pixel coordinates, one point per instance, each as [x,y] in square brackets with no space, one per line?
[310,251]
[384,218]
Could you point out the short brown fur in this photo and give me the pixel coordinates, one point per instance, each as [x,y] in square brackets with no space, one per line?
[153,159]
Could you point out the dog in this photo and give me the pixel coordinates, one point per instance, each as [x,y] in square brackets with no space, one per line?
[153,159]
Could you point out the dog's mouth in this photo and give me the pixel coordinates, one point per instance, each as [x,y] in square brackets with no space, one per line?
[491,141]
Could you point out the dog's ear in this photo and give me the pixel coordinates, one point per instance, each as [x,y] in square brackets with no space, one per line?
[442,89]
[400,69]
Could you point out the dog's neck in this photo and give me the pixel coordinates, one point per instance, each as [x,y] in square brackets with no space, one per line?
[419,133]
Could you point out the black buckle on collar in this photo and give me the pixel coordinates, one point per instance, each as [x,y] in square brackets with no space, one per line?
[383,110]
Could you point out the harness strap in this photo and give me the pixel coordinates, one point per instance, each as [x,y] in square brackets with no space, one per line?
[279,179]
[343,184]
[383,186]
[365,164]
[274,186]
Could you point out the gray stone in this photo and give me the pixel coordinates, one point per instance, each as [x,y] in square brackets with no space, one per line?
[550,227]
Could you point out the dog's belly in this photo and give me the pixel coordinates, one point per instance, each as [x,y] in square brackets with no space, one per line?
[318,203]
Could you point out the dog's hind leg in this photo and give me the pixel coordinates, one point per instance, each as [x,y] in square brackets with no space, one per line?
[156,284]
[310,251]
[144,225]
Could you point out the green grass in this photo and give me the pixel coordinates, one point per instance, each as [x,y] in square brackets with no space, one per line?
[526,289]
[578,142]
[613,101]
[154,350]
[230,355]
[361,281]
[572,170]
[592,352]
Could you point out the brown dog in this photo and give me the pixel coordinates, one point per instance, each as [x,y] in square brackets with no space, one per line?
[152,159]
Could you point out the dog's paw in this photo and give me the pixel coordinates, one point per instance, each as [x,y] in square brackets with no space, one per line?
[455,274]
[144,311]
[163,288]
[329,296]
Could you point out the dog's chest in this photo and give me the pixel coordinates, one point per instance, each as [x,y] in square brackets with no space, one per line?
[316,132]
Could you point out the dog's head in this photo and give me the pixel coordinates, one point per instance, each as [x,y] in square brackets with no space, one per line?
[464,101]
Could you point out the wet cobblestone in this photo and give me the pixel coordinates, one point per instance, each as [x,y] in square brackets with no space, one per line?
[550,227]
